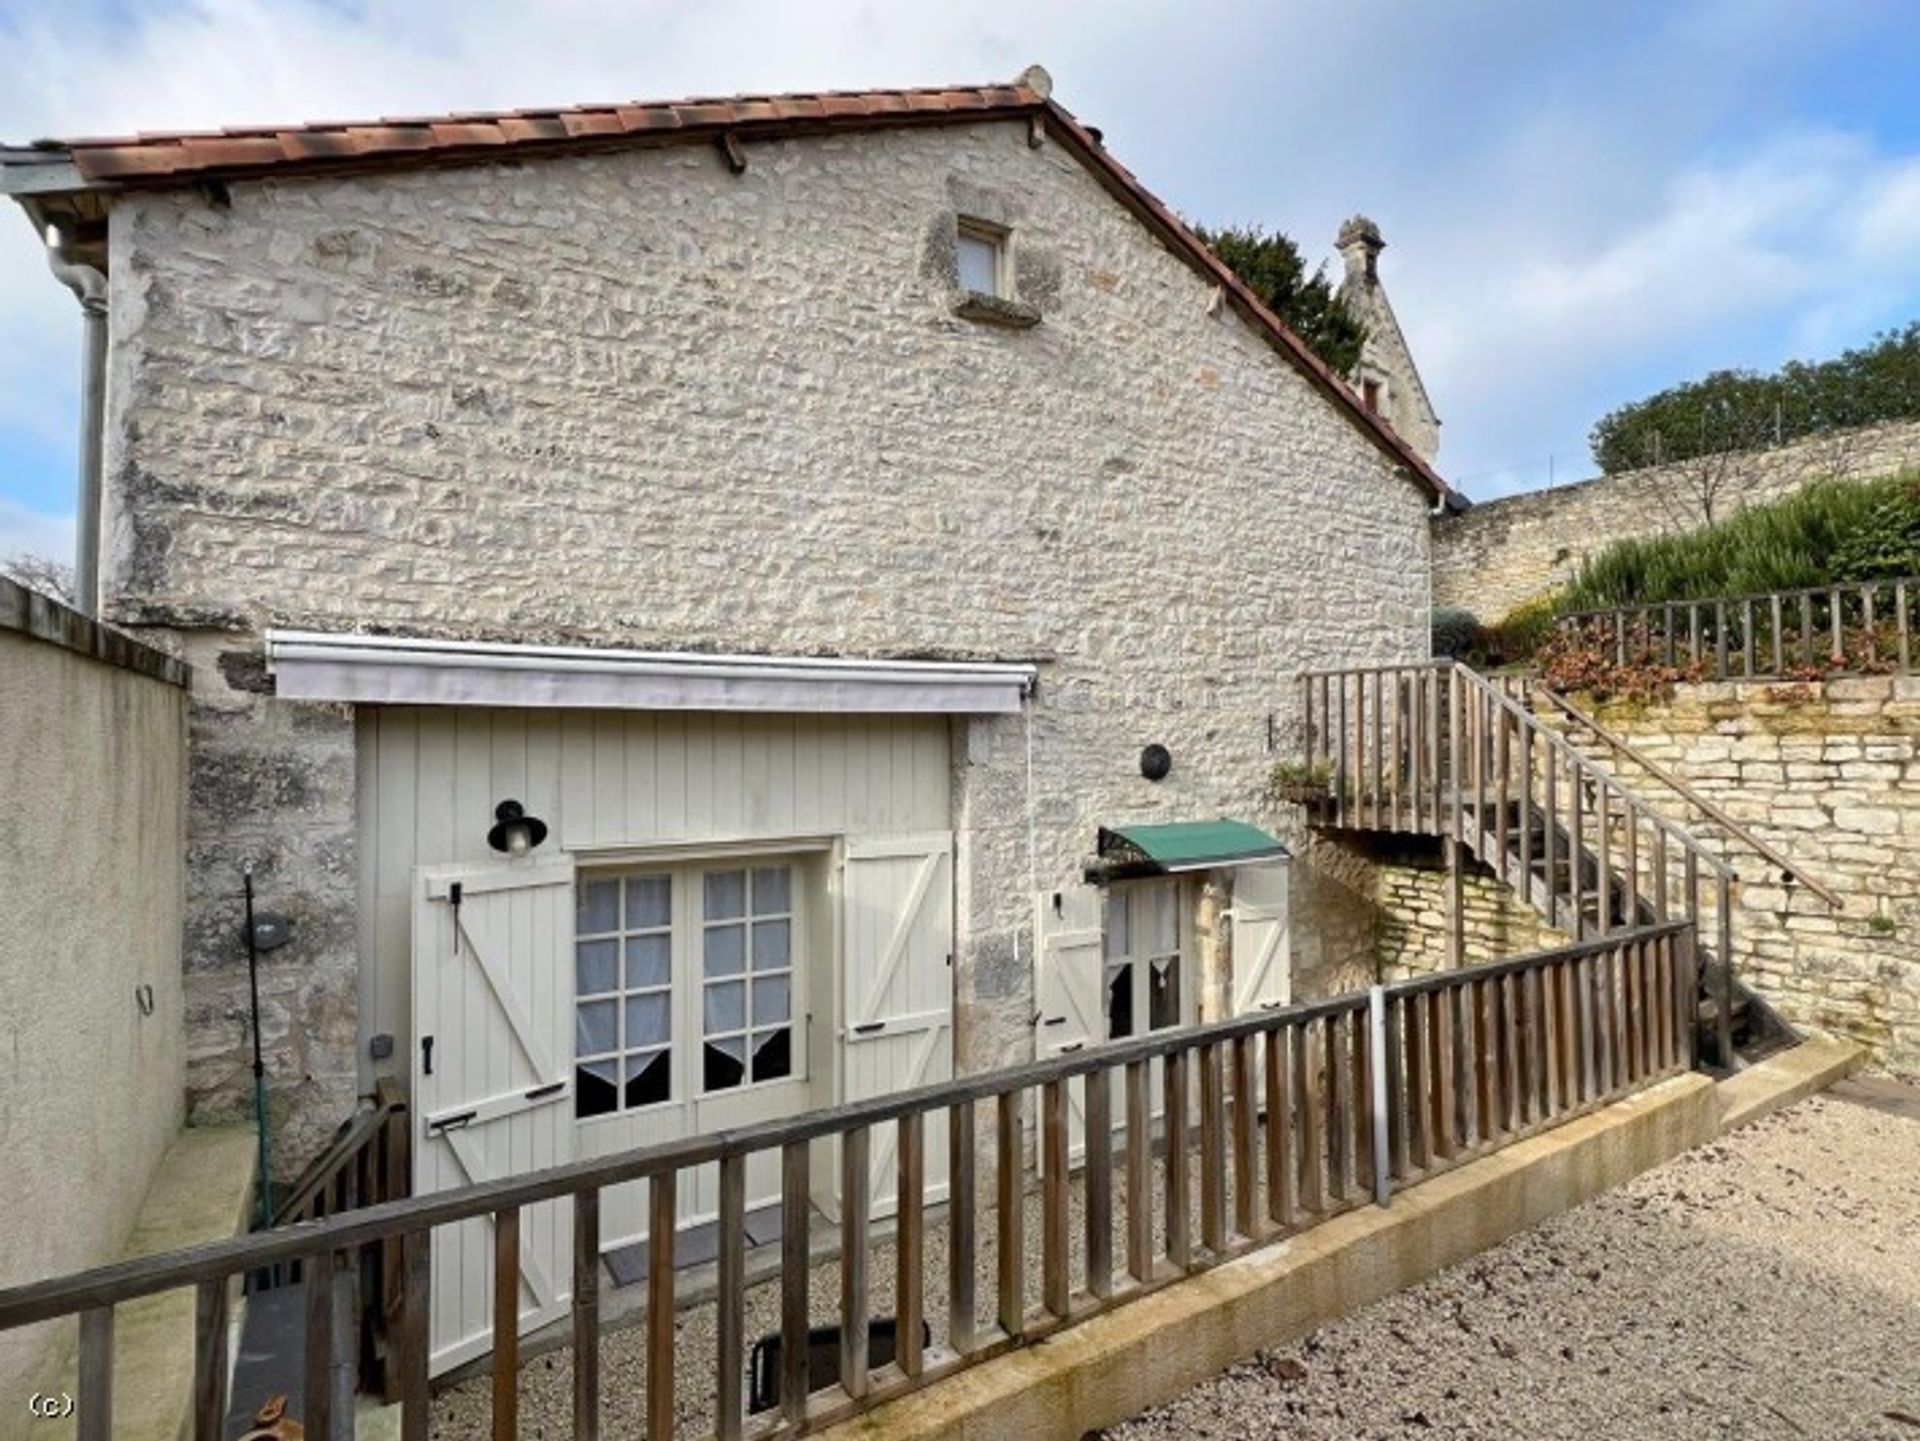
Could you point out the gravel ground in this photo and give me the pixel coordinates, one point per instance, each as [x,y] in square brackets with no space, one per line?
[1767,1286]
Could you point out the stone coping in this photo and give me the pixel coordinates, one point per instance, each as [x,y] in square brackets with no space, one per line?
[41,617]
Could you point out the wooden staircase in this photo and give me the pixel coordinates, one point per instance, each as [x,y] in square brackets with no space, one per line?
[1437,749]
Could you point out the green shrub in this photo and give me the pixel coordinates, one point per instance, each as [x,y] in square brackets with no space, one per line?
[1830,532]
[1455,632]
[1517,634]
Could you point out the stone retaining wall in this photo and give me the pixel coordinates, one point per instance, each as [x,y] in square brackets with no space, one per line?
[1411,934]
[1830,774]
[1506,552]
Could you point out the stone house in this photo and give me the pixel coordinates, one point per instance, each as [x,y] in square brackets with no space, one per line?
[1388,380]
[810,575]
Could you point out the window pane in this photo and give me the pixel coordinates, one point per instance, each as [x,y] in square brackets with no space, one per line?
[595,1092]
[649,1079]
[1119,1002]
[649,961]
[599,907]
[726,950]
[773,1055]
[724,1063]
[596,967]
[772,890]
[772,1000]
[772,946]
[647,1021]
[649,902]
[979,264]
[726,1007]
[596,1028]
[1117,924]
[1163,993]
[726,895]
[1163,923]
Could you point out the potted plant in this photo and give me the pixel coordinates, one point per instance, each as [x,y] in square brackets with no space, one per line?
[1303,783]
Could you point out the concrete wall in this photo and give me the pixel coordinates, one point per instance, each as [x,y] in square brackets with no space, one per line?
[1506,552]
[634,399]
[92,765]
[1830,774]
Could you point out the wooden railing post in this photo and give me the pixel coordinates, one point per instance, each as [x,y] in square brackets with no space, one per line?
[1139,1173]
[910,1244]
[1279,1138]
[961,1142]
[1377,1092]
[662,1228]
[795,1262]
[1178,1162]
[210,1359]
[1098,1173]
[1213,1151]
[1055,1284]
[416,1299]
[1011,1214]
[586,1315]
[730,1301]
[93,1408]
[854,1162]
[506,1324]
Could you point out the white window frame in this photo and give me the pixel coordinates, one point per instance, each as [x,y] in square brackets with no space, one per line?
[1000,239]
[688,982]
[1136,953]
[749,976]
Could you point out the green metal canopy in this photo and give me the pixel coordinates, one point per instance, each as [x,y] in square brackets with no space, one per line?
[1185,846]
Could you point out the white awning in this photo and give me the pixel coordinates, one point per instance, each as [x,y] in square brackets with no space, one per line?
[400,670]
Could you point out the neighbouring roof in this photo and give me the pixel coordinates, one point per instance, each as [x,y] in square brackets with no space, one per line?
[1172,847]
[170,158]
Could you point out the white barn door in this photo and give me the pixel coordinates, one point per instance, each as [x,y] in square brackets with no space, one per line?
[1069,988]
[493,1079]
[1262,961]
[896,1004]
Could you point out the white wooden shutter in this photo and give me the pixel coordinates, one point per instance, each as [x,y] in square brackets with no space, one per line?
[1262,957]
[897,989]
[493,1078]
[1069,981]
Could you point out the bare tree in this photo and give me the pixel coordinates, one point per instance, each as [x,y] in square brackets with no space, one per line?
[38,572]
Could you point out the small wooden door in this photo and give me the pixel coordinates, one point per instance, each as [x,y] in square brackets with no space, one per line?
[1070,1014]
[493,1079]
[896,999]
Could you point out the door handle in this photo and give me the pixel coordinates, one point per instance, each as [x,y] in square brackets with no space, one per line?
[426,1055]
[547,1090]
[451,1123]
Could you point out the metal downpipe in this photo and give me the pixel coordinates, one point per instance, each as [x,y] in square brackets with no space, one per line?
[89,287]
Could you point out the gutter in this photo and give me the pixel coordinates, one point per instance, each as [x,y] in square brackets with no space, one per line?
[89,287]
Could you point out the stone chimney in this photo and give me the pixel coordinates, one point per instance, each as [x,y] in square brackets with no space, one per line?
[1360,245]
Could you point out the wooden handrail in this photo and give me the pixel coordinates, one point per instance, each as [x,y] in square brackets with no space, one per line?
[1667,778]
[1739,599]
[1287,1100]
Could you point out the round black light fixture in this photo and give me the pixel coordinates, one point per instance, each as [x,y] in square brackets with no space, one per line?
[1156,761]
[513,830]
[270,932]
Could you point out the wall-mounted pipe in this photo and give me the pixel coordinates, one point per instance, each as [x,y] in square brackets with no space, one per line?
[89,287]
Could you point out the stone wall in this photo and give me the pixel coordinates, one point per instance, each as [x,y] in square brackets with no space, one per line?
[93,735]
[1411,938]
[1830,774]
[635,399]
[1503,553]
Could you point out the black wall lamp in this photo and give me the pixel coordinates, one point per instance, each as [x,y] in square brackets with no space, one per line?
[1156,762]
[513,830]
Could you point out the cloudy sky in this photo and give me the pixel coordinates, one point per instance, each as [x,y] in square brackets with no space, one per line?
[1582,202]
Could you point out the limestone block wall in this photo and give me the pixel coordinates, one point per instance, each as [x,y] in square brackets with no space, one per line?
[1829,773]
[93,735]
[636,399]
[1505,552]
[1411,938]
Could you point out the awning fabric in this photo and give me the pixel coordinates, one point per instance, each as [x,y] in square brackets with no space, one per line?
[401,670]
[1171,848]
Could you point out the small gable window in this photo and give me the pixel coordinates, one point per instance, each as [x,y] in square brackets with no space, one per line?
[982,252]
[1370,393]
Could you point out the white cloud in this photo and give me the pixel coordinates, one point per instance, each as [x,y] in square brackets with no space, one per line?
[28,532]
